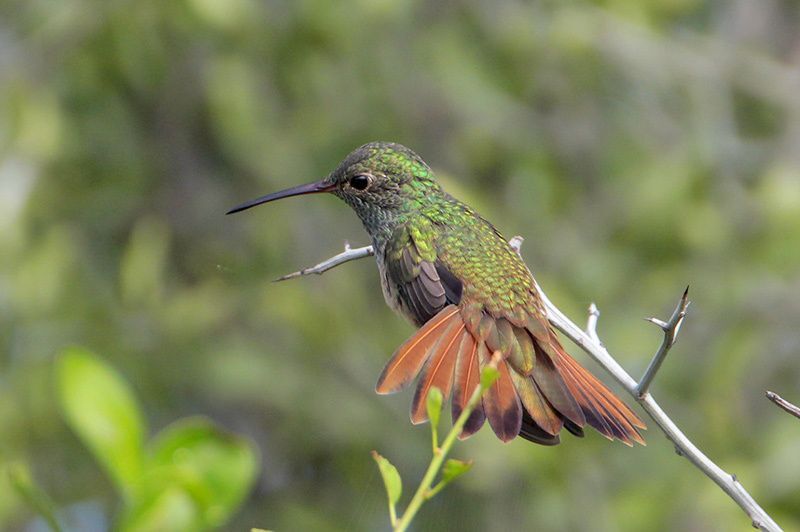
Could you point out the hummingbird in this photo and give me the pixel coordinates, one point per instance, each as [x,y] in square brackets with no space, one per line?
[453,275]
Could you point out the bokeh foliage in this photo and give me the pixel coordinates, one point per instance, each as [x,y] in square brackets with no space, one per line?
[191,476]
[639,146]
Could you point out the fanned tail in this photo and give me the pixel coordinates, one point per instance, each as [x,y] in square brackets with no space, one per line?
[540,389]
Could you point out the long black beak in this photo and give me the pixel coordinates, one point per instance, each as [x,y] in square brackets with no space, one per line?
[310,188]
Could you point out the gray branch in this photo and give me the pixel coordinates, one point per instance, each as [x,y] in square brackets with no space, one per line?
[683,445]
[589,341]
[784,404]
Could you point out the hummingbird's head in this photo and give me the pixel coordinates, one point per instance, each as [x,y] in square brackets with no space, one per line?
[381,178]
[380,181]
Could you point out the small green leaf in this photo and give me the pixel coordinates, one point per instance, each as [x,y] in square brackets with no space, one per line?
[22,482]
[453,469]
[434,405]
[100,407]
[488,376]
[391,478]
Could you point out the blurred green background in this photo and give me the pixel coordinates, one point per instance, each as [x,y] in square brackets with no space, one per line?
[638,146]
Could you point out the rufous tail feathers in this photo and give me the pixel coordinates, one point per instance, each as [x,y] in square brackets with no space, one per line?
[552,392]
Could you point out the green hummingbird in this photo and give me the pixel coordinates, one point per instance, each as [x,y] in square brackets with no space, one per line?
[452,274]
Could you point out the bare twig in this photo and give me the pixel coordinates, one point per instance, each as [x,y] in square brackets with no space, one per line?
[671,329]
[591,322]
[345,256]
[589,342]
[784,404]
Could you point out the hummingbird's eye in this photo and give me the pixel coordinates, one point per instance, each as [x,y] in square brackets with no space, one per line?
[360,182]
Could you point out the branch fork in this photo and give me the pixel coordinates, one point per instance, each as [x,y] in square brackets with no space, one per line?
[671,329]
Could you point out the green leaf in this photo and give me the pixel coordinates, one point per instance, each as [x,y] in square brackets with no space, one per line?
[453,469]
[434,405]
[20,477]
[169,508]
[100,407]
[488,376]
[213,468]
[391,478]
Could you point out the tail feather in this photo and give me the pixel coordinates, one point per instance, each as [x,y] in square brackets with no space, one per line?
[551,383]
[574,429]
[501,402]
[467,378]
[531,431]
[409,358]
[622,428]
[590,409]
[438,371]
[536,406]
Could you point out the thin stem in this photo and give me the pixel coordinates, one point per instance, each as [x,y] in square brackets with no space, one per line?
[38,500]
[435,438]
[424,491]
[393,515]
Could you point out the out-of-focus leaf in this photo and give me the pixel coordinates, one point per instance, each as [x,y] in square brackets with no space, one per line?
[434,405]
[453,469]
[169,508]
[215,468]
[391,478]
[20,477]
[101,408]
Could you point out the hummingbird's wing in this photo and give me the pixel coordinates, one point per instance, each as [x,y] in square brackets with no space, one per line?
[412,269]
